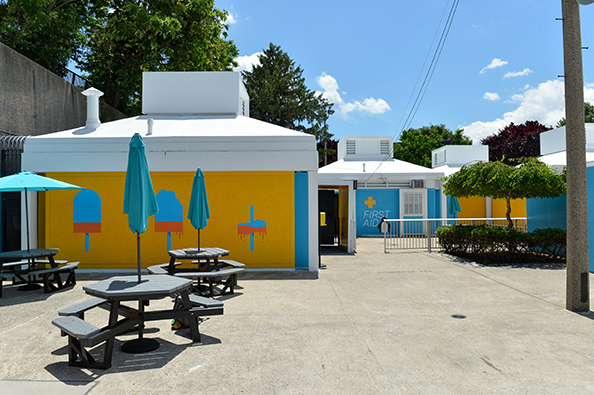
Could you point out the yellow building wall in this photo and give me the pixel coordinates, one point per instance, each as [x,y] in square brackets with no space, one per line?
[472,207]
[230,197]
[518,208]
[475,207]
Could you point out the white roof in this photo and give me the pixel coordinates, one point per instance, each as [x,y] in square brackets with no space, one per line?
[392,170]
[177,143]
[559,159]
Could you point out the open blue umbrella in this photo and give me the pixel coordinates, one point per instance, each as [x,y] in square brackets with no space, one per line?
[29,181]
[198,212]
[139,197]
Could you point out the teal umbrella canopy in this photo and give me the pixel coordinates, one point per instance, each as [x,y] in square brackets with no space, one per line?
[29,181]
[139,196]
[453,206]
[199,212]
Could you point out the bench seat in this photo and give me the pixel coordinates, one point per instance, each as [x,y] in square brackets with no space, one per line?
[51,285]
[227,276]
[79,309]
[160,269]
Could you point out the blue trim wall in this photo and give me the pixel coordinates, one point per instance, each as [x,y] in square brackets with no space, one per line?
[546,213]
[301,221]
[374,204]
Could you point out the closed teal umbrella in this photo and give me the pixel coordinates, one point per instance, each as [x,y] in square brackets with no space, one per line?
[139,197]
[453,206]
[199,211]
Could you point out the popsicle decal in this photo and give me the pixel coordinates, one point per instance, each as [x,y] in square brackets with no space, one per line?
[252,227]
[170,217]
[87,214]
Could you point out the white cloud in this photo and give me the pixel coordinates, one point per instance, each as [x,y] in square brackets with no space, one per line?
[545,104]
[231,19]
[369,105]
[522,73]
[247,62]
[491,96]
[494,64]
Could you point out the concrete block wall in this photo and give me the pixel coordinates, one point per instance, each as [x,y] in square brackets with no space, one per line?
[35,101]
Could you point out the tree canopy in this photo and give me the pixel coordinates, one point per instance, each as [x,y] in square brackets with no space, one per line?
[131,37]
[114,41]
[515,141]
[415,145]
[278,95]
[50,32]
[531,179]
[588,112]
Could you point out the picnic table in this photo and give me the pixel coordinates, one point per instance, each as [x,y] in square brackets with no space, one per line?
[14,261]
[201,256]
[210,268]
[109,294]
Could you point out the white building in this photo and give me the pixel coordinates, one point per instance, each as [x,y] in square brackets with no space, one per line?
[371,184]
[261,179]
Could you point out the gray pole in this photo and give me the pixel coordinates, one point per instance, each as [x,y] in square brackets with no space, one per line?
[578,291]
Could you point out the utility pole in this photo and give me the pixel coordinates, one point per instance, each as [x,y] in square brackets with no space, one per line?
[578,288]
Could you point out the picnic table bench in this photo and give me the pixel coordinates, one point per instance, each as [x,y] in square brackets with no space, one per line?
[50,277]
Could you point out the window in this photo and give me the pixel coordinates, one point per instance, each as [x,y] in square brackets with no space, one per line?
[413,203]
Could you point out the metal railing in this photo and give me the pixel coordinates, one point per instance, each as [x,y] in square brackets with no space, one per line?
[420,234]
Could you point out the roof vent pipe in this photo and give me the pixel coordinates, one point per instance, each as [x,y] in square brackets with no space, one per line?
[363,167]
[92,95]
[150,127]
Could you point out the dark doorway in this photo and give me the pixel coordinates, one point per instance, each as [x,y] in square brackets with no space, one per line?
[11,148]
[328,202]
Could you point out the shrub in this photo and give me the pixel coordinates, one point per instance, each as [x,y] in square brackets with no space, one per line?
[498,245]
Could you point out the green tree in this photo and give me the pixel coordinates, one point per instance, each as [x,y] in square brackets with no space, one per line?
[588,112]
[415,145]
[531,179]
[278,95]
[49,32]
[131,37]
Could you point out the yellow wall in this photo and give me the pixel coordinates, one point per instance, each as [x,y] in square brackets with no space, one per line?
[518,208]
[472,207]
[475,207]
[230,195]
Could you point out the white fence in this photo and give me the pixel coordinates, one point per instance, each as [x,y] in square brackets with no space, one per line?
[419,234]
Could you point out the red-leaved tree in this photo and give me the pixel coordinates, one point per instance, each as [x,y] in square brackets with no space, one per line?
[515,141]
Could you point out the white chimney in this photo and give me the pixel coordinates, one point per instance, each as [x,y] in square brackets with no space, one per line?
[92,95]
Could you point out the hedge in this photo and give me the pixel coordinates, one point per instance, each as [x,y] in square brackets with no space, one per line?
[488,244]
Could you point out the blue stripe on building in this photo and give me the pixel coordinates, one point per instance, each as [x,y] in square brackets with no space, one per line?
[301,221]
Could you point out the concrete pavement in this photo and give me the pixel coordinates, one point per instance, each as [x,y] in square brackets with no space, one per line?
[371,323]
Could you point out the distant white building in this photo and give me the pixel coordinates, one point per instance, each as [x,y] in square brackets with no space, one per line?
[370,184]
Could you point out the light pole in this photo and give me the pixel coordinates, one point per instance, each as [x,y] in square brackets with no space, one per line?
[578,288]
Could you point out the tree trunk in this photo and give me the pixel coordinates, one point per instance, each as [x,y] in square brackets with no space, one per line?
[510,223]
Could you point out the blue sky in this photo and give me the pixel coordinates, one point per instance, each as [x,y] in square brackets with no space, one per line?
[500,62]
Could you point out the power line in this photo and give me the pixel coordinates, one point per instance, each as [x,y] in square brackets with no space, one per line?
[431,69]
[428,75]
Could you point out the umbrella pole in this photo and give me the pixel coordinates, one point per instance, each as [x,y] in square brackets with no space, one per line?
[27,218]
[198,240]
[138,252]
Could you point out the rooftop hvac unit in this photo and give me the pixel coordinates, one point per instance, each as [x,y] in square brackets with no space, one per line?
[415,184]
